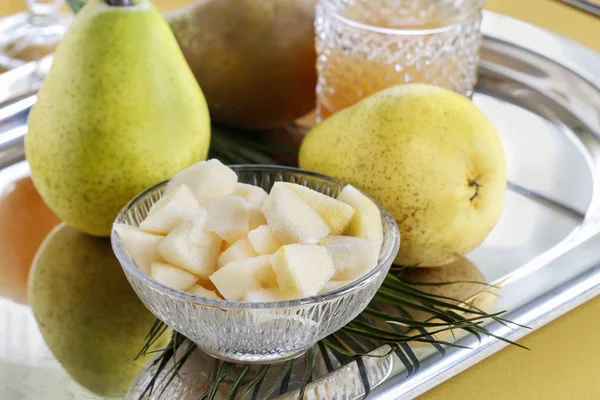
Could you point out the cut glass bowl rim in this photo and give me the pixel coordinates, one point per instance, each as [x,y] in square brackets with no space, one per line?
[386,259]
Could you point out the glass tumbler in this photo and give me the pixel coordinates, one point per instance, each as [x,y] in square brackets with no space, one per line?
[365,46]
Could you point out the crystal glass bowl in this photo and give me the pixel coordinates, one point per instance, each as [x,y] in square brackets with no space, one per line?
[256,332]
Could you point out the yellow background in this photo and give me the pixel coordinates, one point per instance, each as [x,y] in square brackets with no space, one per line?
[565,359]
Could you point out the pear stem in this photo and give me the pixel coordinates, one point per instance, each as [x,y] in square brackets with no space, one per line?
[120,3]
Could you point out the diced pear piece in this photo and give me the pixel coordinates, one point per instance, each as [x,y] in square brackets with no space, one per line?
[352,256]
[207,179]
[264,296]
[237,278]
[252,194]
[334,212]
[240,250]
[174,208]
[192,248]
[291,219]
[332,285]
[366,222]
[172,276]
[263,241]
[302,269]
[255,216]
[203,292]
[142,246]
[228,217]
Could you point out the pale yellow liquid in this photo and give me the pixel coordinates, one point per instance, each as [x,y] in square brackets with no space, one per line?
[378,61]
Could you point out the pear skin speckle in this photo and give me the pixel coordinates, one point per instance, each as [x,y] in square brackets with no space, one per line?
[418,149]
[119,111]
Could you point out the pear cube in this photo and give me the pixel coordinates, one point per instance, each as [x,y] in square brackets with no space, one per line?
[332,285]
[172,276]
[191,248]
[334,212]
[240,250]
[142,246]
[264,296]
[291,219]
[302,269]
[263,241]
[366,222]
[208,180]
[170,211]
[238,278]
[228,217]
[203,292]
[352,256]
[252,194]
[255,216]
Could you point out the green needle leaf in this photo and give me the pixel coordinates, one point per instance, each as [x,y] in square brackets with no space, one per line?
[75,5]
[285,371]
[308,369]
[256,381]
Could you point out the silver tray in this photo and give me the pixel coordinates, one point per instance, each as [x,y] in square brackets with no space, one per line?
[543,93]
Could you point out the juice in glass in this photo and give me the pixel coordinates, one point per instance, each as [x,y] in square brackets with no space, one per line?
[367,46]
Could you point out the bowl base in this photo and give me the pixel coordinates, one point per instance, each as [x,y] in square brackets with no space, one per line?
[254,358]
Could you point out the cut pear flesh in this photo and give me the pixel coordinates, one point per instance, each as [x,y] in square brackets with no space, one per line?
[264,296]
[255,216]
[203,292]
[172,276]
[366,222]
[141,246]
[332,285]
[192,248]
[291,219]
[263,241]
[240,250]
[215,237]
[208,180]
[334,212]
[237,278]
[170,211]
[352,257]
[228,217]
[302,269]
[252,194]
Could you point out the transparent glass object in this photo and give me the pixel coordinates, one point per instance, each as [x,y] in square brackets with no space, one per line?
[365,46]
[33,35]
[257,332]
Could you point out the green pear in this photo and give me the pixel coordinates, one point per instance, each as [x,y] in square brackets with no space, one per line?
[255,59]
[119,111]
[429,155]
[89,316]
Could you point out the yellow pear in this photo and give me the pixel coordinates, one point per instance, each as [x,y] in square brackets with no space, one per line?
[429,155]
[89,316]
[119,111]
